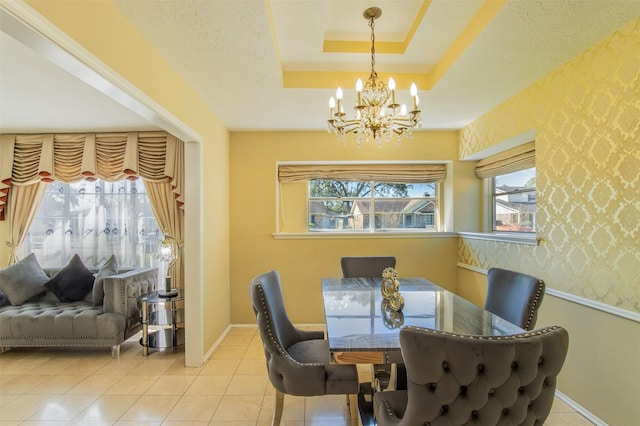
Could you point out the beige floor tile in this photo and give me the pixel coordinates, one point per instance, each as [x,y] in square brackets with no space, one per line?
[170,385]
[177,368]
[567,419]
[137,423]
[254,351]
[252,366]
[121,366]
[236,340]
[194,408]
[229,352]
[326,407]
[238,408]
[209,385]
[86,366]
[256,341]
[96,384]
[57,385]
[6,400]
[132,385]
[24,407]
[560,406]
[152,367]
[25,364]
[249,384]
[106,408]
[221,366]
[150,408]
[240,423]
[293,409]
[54,366]
[243,331]
[63,407]
[22,383]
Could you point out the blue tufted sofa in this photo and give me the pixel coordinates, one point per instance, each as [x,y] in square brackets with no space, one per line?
[56,323]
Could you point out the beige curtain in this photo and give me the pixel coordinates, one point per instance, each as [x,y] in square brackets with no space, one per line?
[389,173]
[171,220]
[167,201]
[519,158]
[28,160]
[23,204]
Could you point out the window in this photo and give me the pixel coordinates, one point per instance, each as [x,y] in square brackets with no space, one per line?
[339,205]
[514,201]
[94,220]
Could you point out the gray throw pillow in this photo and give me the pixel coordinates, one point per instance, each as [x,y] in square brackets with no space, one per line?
[110,267]
[23,280]
[73,282]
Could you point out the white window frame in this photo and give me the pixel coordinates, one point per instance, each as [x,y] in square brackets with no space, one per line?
[444,207]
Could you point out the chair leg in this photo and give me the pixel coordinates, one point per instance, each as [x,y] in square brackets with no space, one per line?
[352,400]
[277,411]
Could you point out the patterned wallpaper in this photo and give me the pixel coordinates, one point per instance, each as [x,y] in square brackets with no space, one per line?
[586,116]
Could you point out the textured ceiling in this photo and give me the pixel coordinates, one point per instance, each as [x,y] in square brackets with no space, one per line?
[239,55]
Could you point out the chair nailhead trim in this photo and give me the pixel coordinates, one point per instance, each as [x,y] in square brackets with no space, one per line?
[532,311]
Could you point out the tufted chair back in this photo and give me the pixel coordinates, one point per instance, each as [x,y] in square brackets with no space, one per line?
[458,379]
[514,296]
[298,361]
[366,266]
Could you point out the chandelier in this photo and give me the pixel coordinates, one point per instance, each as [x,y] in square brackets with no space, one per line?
[377,115]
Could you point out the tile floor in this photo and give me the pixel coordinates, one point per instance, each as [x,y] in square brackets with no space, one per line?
[49,386]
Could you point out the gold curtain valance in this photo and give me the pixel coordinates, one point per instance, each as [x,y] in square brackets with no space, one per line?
[27,159]
[515,159]
[389,173]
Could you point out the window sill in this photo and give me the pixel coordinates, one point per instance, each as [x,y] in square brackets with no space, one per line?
[516,238]
[352,235]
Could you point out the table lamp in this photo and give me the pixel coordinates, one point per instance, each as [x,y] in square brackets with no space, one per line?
[168,252]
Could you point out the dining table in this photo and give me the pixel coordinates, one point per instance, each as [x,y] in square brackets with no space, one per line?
[363,329]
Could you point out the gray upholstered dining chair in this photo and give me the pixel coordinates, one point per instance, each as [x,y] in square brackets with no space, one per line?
[457,379]
[298,361]
[366,266]
[514,296]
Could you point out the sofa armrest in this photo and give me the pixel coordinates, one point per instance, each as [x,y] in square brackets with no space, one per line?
[121,292]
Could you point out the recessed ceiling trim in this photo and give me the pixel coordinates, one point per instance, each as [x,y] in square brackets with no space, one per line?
[23,23]
[487,12]
[397,47]
[346,79]
[426,81]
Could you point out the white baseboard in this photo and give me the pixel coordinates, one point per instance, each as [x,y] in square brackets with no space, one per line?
[580,409]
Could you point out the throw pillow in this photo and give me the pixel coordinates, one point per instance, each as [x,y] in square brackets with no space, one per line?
[4,300]
[23,280]
[110,267]
[73,282]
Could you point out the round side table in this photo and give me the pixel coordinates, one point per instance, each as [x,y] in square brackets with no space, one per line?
[162,320]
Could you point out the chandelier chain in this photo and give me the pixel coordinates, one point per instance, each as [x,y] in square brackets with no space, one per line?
[373,47]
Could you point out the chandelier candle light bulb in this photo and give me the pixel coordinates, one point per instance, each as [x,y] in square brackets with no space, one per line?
[377,115]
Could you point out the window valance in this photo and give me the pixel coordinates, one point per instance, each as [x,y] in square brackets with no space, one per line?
[389,173]
[515,159]
[27,159]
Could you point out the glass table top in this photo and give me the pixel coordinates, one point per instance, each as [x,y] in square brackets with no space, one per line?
[356,320]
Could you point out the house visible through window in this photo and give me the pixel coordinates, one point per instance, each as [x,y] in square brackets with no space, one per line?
[350,206]
[94,220]
[514,201]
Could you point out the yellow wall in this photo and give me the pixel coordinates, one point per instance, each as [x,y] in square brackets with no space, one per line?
[100,28]
[302,263]
[586,116]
